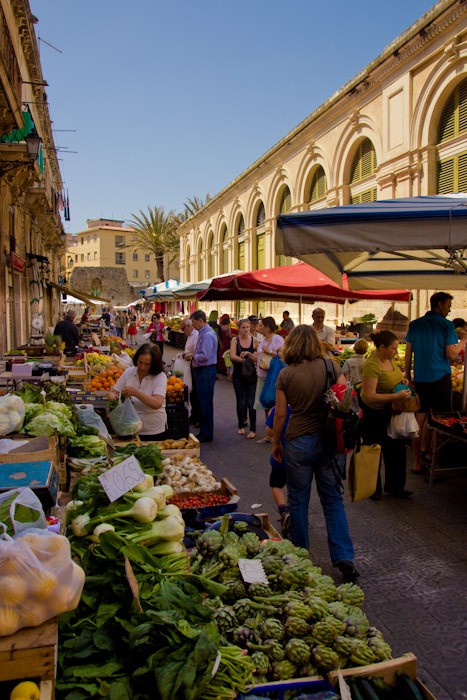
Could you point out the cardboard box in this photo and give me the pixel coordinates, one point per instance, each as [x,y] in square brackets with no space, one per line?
[36,450]
[22,370]
[30,653]
[41,477]
[407,663]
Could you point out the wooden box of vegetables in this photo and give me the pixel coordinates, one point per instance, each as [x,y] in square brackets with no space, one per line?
[36,449]
[400,673]
[30,653]
[209,504]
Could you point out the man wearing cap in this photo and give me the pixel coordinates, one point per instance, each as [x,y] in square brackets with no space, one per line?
[68,332]
[326,334]
[254,321]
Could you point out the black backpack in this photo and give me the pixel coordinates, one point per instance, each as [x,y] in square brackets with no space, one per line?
[341,428]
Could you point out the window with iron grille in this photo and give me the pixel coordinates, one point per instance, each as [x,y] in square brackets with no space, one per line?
[286,201]
[241,226]
[319,185]
[260,216]
[364,163]
[119,258]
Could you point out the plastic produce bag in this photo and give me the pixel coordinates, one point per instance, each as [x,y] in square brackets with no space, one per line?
[12,412]
[403,426]
[124,359]
[20,509]
[125,420]
[182,369]
[88,417]
[38,579]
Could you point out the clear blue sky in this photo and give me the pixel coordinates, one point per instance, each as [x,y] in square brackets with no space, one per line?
[172,99]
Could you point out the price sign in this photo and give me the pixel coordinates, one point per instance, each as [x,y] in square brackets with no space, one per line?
[121,478]
[252,571]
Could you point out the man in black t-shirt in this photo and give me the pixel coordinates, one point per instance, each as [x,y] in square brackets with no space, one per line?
[68,332]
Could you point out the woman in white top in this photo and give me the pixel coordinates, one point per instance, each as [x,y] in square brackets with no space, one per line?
[145,384]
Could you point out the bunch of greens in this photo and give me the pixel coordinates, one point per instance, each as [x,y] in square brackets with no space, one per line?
[149,456]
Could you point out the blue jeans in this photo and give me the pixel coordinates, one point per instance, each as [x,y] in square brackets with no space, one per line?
[305,458]
[205,381]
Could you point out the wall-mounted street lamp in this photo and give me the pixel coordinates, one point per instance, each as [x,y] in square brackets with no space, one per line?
[33,145]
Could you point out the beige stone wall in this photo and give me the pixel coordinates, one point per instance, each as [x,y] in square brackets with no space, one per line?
[396,103]
[113,283]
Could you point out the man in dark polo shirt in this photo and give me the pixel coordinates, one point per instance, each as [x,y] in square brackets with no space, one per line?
[68,332]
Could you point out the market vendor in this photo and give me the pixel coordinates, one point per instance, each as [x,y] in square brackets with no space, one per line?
[145,384]
[326,334]
[68,332]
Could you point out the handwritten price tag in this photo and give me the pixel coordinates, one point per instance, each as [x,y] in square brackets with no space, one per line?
[121,478]
[252,571]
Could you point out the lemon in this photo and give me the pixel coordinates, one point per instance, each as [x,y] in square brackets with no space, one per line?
[13,590]
[27,690]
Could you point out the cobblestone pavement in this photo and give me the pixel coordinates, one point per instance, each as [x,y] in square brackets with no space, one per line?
[411,553]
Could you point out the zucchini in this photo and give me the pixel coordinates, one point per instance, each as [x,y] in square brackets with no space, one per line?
[367,689]
[384,690]
[354,689]
[408,689]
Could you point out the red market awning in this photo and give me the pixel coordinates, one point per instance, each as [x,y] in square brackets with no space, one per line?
[298,282]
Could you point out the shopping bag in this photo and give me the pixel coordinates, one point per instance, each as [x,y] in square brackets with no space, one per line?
[24,510]
[88,417]
[249,370]
[265,361]
[403,426]
[267,397]
[179,366]
[363,471]
[125,420]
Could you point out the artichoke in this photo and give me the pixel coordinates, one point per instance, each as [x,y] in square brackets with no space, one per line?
[325,630]
[282,670]
[252,543]
[296,627]
[229,556]
[291,559]
[261,663]
[272,629]
[235,590]
[350,594]
[230,574]
[339,609]
[361,654]
[259,590]
[271,647]
[297,651]
[296,608]
[241,526]
[356,625]
[242,609]
[379,647]
[307,670]
[325,658]
[209,543]
[292,577]
[242,635]
[272,564]
[374,632]
[225,619]
[319,608]
[231,538]
[326,590]
[342,645]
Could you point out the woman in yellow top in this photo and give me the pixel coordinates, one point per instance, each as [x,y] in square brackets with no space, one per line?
[380,376]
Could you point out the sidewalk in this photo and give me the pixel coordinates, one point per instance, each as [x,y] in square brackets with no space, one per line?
[411,553]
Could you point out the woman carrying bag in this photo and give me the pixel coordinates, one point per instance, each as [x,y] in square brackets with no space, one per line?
[267,349]
[145,384]
[380,376]
[242,349]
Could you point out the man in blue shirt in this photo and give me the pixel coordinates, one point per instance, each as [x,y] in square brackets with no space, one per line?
[434,343]
[203,366]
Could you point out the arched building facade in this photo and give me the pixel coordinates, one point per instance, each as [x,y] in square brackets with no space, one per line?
[397,129]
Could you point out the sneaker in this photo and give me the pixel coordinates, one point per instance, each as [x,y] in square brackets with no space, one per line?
[285,524]
[348,571]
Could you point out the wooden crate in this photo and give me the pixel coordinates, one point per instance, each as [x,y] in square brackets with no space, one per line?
[26,453]
[269,529]
[30,653]
[407,663]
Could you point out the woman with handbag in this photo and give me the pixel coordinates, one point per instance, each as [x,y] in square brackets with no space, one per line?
[268,348]
[301,385]
[380,376]
[146,384]
[242,349]
[156,329]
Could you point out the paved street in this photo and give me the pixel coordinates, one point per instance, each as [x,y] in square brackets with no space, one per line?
[411,554]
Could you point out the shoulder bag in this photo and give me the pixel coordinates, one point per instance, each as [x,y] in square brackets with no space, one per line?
[363,471]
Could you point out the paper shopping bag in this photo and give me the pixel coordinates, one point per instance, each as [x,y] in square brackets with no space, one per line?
[363,471]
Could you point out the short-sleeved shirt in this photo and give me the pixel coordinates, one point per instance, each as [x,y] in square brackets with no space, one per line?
[304,385]
[154,419]
[387,379]
[273,344]
[327,334]
[429,336]
[352,368]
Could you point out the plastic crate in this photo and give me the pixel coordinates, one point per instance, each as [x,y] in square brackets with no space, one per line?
[277,691]
[178,425]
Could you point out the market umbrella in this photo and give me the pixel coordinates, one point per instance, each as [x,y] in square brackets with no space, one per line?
[298,282]
[416,242]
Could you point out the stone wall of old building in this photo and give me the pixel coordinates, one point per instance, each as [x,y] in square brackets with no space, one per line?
[104,282]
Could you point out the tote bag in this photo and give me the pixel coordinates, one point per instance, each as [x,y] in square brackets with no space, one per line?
[363,471]
[267,397]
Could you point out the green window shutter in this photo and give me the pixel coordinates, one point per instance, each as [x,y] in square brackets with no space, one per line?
[286,201]
[367,196]
[241,255]
[319,185]
[261,215]
[462,172]
[225,260]
[446,176]
[364,163]
[462,109]
[447,122]
[260,252]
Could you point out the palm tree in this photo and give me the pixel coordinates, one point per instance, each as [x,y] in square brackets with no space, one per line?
[156,232]
[192,205]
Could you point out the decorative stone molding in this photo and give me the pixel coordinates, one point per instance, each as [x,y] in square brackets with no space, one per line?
[311,149]
[452,49]
[354,118]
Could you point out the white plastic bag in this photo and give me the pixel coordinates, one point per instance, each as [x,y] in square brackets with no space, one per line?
[88,417]
[124,358]
[125,420]
[11,413]
[39,579]
[182,369]
[403,426]
[23,496]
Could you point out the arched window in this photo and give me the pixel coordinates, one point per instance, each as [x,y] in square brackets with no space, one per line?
[241,226]
[200,261]
[241,244]
[364,163]
[318,185]
[225,250]
[452,171]
[211,258]
[70,262]
[96,287]
[260,251]
[286,201]
[260,216]
[187,264]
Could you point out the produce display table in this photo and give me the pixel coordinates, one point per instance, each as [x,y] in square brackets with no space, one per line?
[444,434]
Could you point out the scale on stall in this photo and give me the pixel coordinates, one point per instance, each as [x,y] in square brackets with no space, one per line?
[37,337]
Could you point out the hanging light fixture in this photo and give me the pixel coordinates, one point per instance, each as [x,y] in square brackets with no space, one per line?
[33,146]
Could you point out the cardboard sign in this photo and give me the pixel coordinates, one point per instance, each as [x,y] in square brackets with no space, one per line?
[252,571]
[121,478]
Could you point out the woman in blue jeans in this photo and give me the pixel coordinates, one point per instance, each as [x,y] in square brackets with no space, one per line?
[302,385]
